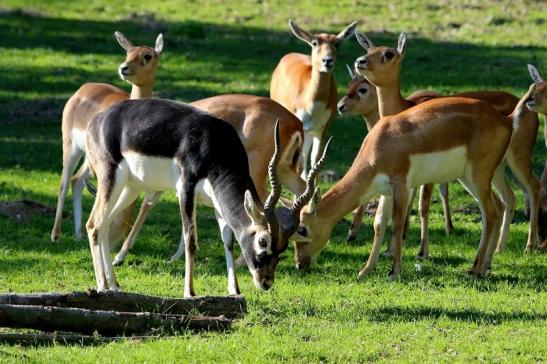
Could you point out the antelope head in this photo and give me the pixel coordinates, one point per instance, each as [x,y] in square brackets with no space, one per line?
[360,97]
[537,100]
[380,65]
[141,63]
[324,46]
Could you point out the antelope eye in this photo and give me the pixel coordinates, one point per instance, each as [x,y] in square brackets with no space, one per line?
[314,43]
[262,243]
[363,90]
[302,231]
[389,55]
[147,57]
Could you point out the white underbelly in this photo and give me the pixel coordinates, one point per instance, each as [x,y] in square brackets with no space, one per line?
[152,173]
[437,167]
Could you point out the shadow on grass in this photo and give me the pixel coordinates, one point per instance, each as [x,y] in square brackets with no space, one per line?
[410,314]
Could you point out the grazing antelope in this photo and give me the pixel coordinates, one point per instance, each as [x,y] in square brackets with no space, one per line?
[361,99]
[435,142]
[381,67]
[305,86]
[538,103]
[252,117]
[139,69]
[157,145]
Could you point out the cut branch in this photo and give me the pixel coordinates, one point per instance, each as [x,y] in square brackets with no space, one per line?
[230,307]
[109,323]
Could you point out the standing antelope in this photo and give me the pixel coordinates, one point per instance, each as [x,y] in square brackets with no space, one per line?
[434,142]
[381,67]
[139,69]
[361,99]
[538,103]
[157,145]
[305,86]
[253,119]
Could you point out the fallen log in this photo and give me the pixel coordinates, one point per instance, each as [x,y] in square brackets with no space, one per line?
[108,323]
[230,306]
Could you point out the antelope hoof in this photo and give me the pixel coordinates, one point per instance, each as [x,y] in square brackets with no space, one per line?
[423,255]
[364,272]
[449,230]
[393,275]
[350,237]
[55,236]
[117,261]
[388,253]
[189,294]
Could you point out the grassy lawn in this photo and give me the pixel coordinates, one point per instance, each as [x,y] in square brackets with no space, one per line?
[49,48]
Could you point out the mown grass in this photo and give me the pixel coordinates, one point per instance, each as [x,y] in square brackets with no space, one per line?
[434,314]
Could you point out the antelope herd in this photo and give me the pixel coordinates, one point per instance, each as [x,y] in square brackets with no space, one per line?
[222,150]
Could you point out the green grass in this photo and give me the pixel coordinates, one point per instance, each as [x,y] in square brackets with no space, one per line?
[48,49]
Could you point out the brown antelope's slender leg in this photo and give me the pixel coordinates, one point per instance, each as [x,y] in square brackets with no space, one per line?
[500,208]
[401,196]
[149,201]
[389,250]
[71,156]
[382,217]
[522,169]
[443,191]
[186,195]
[356,223]
[508,197]
[78,184]
[425,202]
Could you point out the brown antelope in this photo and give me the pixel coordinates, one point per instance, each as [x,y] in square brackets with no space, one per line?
[361,99]
[305,86]
[156,145]
[435,142]
[538,103]
[252,117]
[139,69]
[383,72]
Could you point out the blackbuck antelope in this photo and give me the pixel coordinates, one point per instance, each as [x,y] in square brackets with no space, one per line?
[381,66]
[361,99]
[157,145]
[538,103]
[434,142]
[139,69]
[253,118]
[305,86]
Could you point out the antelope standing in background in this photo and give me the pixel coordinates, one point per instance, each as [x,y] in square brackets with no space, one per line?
[139,69]
[538,103]
[361,99]
[157,145]
[381,66]
[253,119]
[305,86]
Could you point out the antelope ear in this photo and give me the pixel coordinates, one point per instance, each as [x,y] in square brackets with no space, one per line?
[363,40]
[315,199]
[401,45]
[252,210]
[300,33]
[348,32]
[159,44]
[351,73]
[123,41]
[534,74]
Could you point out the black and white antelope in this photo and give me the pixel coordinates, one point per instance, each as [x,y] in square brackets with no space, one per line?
[157,145]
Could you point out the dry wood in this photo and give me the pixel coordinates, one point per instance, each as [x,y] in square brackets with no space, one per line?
[107,323]
[38,339]
[230,307]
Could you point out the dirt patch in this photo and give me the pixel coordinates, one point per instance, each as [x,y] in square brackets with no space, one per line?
[23,210]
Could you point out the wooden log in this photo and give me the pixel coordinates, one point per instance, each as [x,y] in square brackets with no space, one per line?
[230,306]
[108,323]
[55,338]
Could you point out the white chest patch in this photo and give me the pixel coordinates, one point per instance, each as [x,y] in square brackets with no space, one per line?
[438,167]
[78,138]
[152,173]
[315,117]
